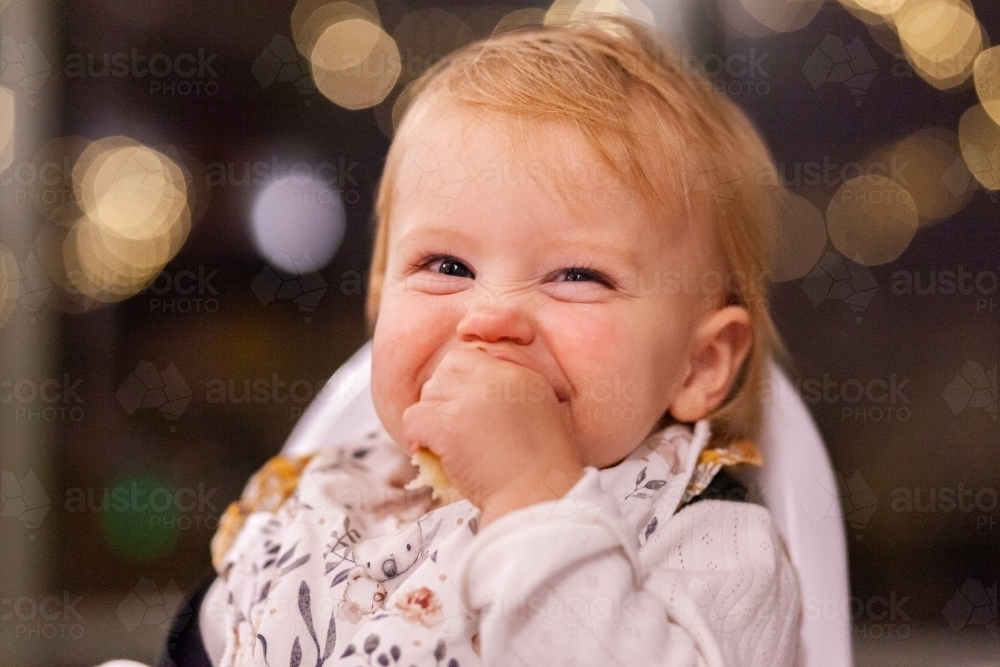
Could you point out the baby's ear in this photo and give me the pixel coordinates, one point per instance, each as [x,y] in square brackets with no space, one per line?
[721,343]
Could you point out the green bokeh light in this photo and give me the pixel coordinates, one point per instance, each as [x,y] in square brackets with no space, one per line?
[139,518]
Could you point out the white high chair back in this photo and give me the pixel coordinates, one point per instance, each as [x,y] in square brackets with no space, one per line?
[796,483]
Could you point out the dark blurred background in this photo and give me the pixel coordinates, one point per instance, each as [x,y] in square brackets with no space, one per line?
[185,202]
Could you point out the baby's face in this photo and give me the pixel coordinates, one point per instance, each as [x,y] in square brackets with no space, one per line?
[485,252]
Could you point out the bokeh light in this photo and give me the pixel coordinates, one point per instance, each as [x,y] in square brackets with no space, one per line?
[871,219]
[564,11]
[140,519]
[801,237]
[311,18]
[986,74]
[402,103]
[782,15]
[298,223]
[9,279]
[929,166]
[136,216]
[762,18]
[873,12]
[941,39]
[520,18]
[355,63]
[979,138]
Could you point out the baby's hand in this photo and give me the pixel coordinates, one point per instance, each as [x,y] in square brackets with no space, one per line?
[501,433]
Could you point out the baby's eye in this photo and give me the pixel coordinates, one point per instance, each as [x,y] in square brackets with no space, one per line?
[438,273]
[579,274]
[446,265]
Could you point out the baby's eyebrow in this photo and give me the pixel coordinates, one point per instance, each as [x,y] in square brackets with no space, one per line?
[423,234]
[627,257]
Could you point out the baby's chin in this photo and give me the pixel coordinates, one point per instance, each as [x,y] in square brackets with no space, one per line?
[603,449]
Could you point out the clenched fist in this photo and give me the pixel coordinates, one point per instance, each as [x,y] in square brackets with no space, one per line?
[500,430]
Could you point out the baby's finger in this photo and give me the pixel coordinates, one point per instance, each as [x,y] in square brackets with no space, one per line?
[432,390]
[447,383]
[421,424]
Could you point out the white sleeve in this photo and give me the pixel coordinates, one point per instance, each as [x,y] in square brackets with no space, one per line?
[563,583]
[211,621]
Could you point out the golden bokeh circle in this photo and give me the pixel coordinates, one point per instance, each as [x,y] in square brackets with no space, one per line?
[986,74]
[941,39]
[355,63]
[979,139]
[871,219]
[311,18]
[135,218]
[929,165]
[801,237]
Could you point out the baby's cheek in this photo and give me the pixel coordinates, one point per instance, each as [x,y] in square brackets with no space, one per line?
[393,384]
[587,333]
[383,399]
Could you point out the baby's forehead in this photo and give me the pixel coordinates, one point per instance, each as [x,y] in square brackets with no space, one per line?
[447,146]
[470,162]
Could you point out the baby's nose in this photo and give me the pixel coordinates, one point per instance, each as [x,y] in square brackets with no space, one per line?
[497,320]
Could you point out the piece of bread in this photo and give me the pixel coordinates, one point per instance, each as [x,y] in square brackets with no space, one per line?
[430,473]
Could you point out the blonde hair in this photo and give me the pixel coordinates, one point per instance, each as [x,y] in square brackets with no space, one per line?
[617,84]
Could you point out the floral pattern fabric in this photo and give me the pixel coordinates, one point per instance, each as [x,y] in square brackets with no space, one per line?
[350,568]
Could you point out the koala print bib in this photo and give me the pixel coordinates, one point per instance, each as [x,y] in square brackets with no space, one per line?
[346,567]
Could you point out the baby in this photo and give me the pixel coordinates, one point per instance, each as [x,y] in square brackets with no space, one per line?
[569,313]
